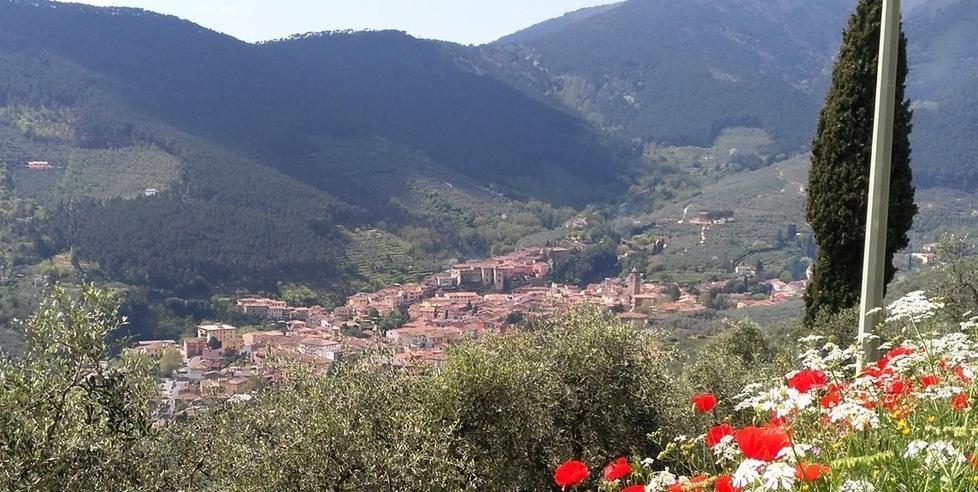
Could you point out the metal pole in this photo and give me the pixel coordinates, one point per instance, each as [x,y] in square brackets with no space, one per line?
[874,254]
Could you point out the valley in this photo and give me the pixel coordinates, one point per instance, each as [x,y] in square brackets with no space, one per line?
[340,178]
[619,250]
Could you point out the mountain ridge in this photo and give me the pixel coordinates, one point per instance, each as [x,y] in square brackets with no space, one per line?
[318,135]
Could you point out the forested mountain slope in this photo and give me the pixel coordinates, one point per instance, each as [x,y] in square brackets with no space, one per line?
[261,152]
[678,73]
[944,84]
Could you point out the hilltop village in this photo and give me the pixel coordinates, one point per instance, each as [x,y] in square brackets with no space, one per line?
[411,324]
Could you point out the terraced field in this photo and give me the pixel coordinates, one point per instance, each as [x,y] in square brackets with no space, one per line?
[383,259]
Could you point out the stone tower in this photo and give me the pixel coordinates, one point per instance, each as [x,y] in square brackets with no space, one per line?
[634,282]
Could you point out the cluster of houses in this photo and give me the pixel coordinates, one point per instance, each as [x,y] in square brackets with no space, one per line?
[928,253]
[464,303]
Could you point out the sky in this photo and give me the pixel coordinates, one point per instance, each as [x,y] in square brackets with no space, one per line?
[461,21]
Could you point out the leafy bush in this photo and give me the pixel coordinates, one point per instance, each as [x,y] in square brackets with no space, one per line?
[69,420]
[499,414]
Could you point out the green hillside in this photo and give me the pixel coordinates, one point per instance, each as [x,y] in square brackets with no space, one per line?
[677,74]
[680,72]
[944,75]
[264,154]
[765,203]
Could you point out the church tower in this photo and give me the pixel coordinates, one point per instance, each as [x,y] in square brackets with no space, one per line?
[634,282]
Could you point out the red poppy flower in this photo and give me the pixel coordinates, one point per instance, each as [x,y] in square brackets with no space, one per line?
[676,487]
[831,399]
[960,401]
[876,372]
[868,401]
[704,402]
[973,459]
[617,469]
[811,472]
[724,483]
[893,354]
[781,423]
[761,443]
[804,381]
[898,351]
[929,380]
[570,473]
[717,433]
[959,372]
[900,387]
[634,488]
[896,391]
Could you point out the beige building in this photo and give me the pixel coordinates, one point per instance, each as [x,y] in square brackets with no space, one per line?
[226,334]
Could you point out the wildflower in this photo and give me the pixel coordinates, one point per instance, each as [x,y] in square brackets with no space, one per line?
[704,402]
[857,416]
[781,401]
[617,469]
[831,399]
[896,391]
[900,351]
[717,433]
[747,473]
[965,375]
[634,488]
[876,372]
[902,427]
[935,453]
[761,443]
[778,476]
[929,380]
[726,450]
[805,381]
[724,483]
[973,460]
[857,486]
[570,473]
[914,306]
[811,472]
[660,481]
[914,448]
[960,402]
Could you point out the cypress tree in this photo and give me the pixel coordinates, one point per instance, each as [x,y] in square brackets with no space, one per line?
[839,179]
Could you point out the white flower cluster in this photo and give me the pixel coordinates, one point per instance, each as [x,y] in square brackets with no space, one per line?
[782,401]
[857,486]
[935,453]
[940,392]
[747,473]
[904,363]
[857,416]
[955,348]
[758,475]
[915,307]
[661,481]
[971,324]
[726,450]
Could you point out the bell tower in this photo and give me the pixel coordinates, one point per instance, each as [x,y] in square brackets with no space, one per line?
[634,282]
